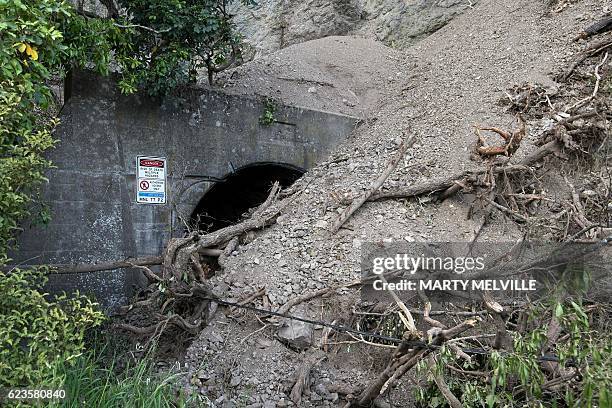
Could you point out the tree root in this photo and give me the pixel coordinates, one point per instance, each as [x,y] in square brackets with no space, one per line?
[178,254]
[512,140]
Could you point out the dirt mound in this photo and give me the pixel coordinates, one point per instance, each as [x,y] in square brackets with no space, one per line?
[436,91]
[346,75]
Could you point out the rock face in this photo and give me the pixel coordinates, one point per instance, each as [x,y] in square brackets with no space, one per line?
[94,7]
[274,24]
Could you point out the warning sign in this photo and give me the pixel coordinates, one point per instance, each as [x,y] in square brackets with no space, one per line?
[151,186]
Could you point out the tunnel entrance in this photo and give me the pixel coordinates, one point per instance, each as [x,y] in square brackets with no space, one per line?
[225,203]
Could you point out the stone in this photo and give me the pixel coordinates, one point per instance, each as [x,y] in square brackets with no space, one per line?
[321,389]
[215,338]
[296,334]
[263,343]
[589,193]
[235,381]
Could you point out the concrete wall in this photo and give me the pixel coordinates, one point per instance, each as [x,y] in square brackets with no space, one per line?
[203,134]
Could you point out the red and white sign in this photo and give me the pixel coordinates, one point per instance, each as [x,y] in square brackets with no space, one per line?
[151,180]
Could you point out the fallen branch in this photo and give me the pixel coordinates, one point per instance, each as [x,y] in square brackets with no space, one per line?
[303,298]
[407,319]
[253,296]
[227,251]
[427,311]
[403,360]
[202,243]
[468,372]
[249,299]
[449,186]
[202,275]
[260,219]
[442,386]
[362,198]
[579,216]
[325,337]
[598,27]
[592,50]
[459,352]
[61,269]
[148,273]
[508,211]
[589,98]
[303,376]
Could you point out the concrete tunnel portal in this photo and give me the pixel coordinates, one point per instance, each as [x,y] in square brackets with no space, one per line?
[228,200]
[92,190]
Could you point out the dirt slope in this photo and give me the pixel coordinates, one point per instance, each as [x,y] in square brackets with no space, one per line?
[346,75]
[443,86]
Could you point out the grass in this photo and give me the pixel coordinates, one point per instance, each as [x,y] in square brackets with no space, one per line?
[92,381]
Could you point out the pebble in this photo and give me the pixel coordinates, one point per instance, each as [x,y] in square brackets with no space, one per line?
[235,381]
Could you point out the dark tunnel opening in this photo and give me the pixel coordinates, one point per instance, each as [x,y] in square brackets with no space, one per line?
[225,203]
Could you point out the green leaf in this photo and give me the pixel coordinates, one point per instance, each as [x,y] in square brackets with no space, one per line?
[491,399]
[558,310]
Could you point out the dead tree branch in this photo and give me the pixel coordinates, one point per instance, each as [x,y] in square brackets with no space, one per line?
[445,188]
[592,50]
[302,380]
[62,269]
[403,360]
[361,199]
[261,218]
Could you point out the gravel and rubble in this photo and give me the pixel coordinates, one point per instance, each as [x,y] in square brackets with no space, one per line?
[437,90]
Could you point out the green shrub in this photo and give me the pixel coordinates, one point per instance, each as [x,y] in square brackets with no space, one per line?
[37,332]
[516,378]
[268,116]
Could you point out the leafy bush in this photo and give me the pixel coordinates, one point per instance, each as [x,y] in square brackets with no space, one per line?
[518,378]
[35,332]
[21,162]
[170,40]
[268,118]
